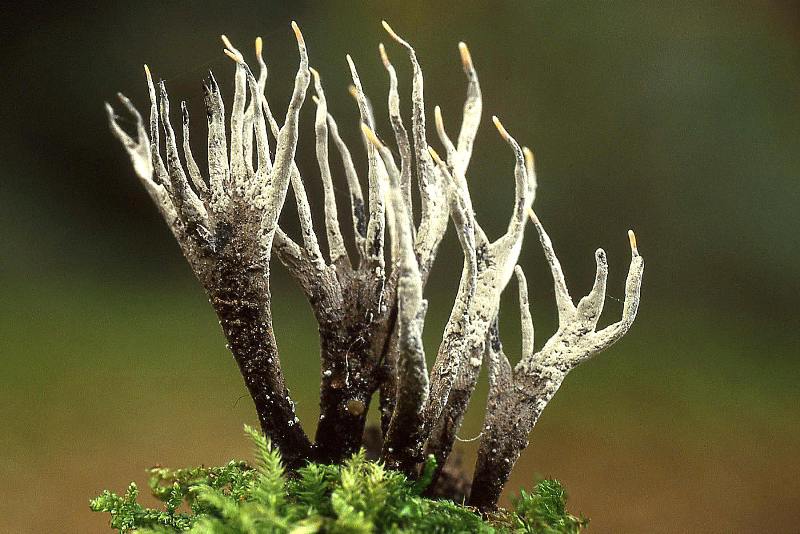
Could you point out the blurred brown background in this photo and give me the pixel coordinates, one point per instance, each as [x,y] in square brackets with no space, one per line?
[680,120]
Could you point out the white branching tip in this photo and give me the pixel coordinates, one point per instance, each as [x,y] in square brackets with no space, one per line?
[259,47]
[449,147]
[634,247]
[437,116]
[466,57]
[315,99]
[500,128]
[231,51]
[600,257]
[237,58]
[298,34]
[526,323]
[150,85]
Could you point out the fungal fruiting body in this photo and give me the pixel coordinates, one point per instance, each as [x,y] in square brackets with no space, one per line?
[370,308]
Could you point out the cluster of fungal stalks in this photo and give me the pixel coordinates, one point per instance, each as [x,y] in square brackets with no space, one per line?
[371,308]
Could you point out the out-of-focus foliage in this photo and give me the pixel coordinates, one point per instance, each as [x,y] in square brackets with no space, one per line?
[360,496]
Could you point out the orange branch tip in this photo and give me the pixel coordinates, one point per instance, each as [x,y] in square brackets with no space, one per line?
[466,57]
[384,56]
[389,30]
[500,127]
[632,239]
[370,135]
[259,46]
[297,33]
[435,156]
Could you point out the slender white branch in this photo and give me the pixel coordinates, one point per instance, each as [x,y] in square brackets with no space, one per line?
[566,308]
[159,170]
[191,164]
[400,133]
[286,145]
[356,196]
[336,247]
[375,177]
[139,152]
[526,321]
[218,170]
[473,107]
[433,190]
[190,208]
[239,173]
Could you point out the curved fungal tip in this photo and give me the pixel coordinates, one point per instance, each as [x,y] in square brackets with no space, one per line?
[231,55]
[315,98]
[384,56]
[500,127]
[147,72]
[297,33]
[632,239]
[353,91]
[227,42]
[259,46]
[466,57]
[392,33]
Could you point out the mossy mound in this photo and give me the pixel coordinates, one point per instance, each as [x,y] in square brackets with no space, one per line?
[359,496]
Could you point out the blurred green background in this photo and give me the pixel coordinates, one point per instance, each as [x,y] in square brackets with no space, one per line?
[678,119]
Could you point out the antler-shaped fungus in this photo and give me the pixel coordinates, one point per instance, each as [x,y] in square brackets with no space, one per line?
[370,315]
[517,397]
[226,228]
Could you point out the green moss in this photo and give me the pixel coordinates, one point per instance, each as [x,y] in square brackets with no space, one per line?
[359,496]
